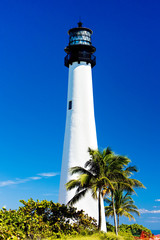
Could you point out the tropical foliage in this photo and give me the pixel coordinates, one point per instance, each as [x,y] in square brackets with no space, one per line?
[124,205]
[96,236]
[107,176]
[103,174]
[98,175]
[135,229]
[123,202]
[91,177]
[48,220]
[38,219]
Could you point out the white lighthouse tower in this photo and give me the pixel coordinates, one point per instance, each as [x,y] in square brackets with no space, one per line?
[80,131]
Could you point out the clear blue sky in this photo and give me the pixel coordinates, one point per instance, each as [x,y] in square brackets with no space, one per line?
[33,93]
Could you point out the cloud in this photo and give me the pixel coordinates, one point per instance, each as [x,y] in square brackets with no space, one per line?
[35,178]
[24,180]
[142,211]
[153,221]
[50,194]
[157,200]
[10,182]
[50,174]
[5,183]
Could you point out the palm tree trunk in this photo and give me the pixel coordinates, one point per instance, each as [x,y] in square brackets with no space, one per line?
[99,211]
[118,221]
[114,212]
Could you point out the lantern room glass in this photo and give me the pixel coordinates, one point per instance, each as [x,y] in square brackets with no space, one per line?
[80,37]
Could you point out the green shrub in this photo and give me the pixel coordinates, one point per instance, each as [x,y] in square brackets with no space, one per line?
[134,229]
[110,227]
[110,236]
[86,232]
[126,235]
[42,219]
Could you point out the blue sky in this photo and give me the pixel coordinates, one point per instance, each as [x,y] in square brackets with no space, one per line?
[33,93]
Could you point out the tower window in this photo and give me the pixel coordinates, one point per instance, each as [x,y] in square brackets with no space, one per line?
[70,105]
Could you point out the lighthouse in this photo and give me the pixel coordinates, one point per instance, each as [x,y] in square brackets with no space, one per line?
[80,129]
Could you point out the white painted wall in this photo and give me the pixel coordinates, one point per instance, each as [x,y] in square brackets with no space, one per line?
[80,133]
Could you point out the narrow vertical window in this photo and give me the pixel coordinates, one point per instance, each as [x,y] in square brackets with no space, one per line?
[70,105]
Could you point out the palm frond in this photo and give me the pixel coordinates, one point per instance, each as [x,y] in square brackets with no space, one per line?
[79,170]
[136,183]
[72,184]
[107,200]
[77,197]
[130,170]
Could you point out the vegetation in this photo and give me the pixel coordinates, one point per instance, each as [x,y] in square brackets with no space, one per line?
[35,220]
[134,229]
[126,233]
[98,175]
[124,205]
[95,236]
[45,220]
[105,173]
[92,177]
[107,176]
[123,202]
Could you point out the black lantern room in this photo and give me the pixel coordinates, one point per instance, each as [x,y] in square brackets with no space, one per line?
[80,47]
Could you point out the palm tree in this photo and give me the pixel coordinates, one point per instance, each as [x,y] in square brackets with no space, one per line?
[117,164]
[99,175]
[127,185]
[124,205]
